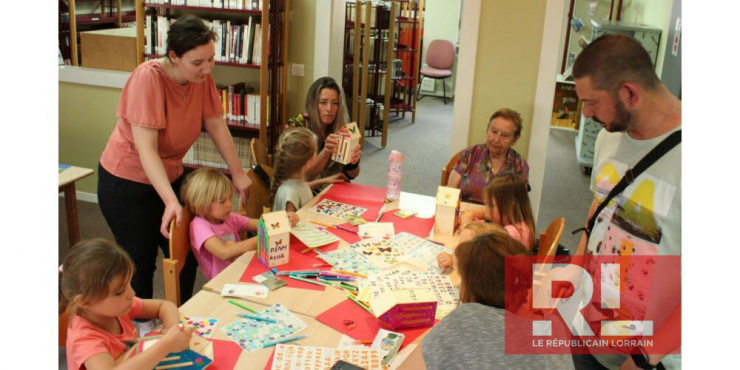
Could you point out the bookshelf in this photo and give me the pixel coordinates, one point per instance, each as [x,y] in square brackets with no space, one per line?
[384,36]
[250,105]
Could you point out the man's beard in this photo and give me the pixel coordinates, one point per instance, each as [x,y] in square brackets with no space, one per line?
[622,119]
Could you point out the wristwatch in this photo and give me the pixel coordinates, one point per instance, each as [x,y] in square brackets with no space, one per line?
[641,359]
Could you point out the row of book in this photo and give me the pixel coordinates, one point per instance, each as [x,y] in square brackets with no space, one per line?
[204,152]
[236,43]
[380,14]
[241,105]
[221,4]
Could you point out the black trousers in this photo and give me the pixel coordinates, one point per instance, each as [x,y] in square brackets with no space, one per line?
[133,212]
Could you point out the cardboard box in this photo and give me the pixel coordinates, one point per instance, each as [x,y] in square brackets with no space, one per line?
[273,239]
[448,207]
[406,308]
[113,49]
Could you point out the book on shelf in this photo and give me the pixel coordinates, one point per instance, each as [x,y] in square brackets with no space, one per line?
[205,153]
[240,105]
[220,4]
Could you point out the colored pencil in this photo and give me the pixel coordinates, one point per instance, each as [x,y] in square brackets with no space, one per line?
[331,274]
[174,366]
[346,229]
[379,216]
[237,304]
[281,273]
[336,278]
[351,297]
[365,341]
[322,224]
[270,344]
[348,286]
[173,358]
[308,281]
[436,242]
[258,318]
[352,273]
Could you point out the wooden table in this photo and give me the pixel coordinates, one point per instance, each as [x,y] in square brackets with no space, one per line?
[67,180]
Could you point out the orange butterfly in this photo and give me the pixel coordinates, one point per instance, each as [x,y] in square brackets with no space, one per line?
[276,225]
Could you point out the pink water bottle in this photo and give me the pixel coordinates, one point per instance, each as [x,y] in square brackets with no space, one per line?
[395,165]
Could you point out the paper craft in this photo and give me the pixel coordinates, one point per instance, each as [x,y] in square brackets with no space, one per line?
[290,357]
[203,325]
[269,281]
[376,230]
[354,220]
[252,334]
[388,343]
[404,213]
[448,205]
[273,240]
[195,360]
[246,290]
[379,252]
[349,138]
[312,236]
[348,260]
[405,308]
[419,252]
[335,209]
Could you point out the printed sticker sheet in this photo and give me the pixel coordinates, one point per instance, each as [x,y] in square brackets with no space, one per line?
[447,295]
[252,334]
[335,209]
[203,325]
[292,357]
[312,236]
[419,252]
[348,260]
[379,252]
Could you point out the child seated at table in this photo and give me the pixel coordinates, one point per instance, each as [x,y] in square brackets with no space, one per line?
[295,153]
[95,288]
[506,204]
[470,231]
[214,231]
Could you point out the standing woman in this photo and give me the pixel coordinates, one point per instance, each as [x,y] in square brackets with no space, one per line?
[163,107]
[326,113]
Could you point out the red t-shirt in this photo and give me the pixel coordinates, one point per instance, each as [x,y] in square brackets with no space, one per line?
[84,339]
[152,99]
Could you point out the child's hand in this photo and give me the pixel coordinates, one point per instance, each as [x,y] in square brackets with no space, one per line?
[466,217]
[335,178]
[293,218]
[444,260]
[178,339]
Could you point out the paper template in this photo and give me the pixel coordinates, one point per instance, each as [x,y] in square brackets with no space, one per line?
[252,334]
[244,290]
[379,252]
[312,236]
[203,325]
[348,260]
[291,357]
[376,230]
[335,209]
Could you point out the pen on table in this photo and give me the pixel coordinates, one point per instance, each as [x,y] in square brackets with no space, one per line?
[308,281]
[379,216]
[351,297]
[436,242]
[270,344]
[352,273]
[237,304]
[322,224]
[331,274]
[346,229]
[258,318]
[332,278]
[348,286]
[295,272]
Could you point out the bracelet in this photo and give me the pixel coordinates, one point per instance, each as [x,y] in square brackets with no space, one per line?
[351,166]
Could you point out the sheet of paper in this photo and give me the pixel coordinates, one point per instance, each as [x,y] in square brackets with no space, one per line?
[404,213]
[348,260]
[291,357]
[203,325]
[312,236]
[335,209]
[379,252]
[244,290]
[349,342]
[252,334]
[388,342]
[376,230]
[419,252]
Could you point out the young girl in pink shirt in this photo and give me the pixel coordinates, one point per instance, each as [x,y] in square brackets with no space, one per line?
[506,204]
[214,231]
[96,291]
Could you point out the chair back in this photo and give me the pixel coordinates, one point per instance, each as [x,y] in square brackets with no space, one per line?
[440,54]
[551,237]
[259,153]
[447,170]
[259,193]
[179,249]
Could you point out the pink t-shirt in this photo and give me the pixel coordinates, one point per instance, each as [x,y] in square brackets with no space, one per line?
[84,339]
[522,236]
[202,230]
[152,99]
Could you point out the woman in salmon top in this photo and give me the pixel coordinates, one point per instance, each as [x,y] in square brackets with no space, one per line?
[163,107]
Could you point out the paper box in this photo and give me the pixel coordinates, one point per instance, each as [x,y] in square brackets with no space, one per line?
[448,206]
[349,138]
[273,240]
[405,308]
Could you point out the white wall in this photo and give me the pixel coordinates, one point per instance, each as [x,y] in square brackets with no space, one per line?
[654,13]
[441,20]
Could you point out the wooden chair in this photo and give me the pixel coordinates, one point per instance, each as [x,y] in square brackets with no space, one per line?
[548,247]
[179,248]
[259,153]
[447,170]
[259,193]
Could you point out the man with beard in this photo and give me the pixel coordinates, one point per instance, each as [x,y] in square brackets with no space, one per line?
[616,81]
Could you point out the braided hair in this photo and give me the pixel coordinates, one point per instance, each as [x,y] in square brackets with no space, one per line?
[294,149]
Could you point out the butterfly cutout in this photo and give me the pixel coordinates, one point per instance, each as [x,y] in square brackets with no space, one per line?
[385,249]
[369,253]
[353,129]
[278,242]
[276,225]
[377,244]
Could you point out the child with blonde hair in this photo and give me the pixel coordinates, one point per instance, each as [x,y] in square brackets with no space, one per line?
[470,231]
[214,231]
[506,204]
[295,153]
[100,303]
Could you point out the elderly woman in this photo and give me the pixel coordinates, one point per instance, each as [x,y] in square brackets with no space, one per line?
[326,113]
[479,164]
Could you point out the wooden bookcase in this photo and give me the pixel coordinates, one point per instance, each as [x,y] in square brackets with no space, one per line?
[272,82]
[384,36]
